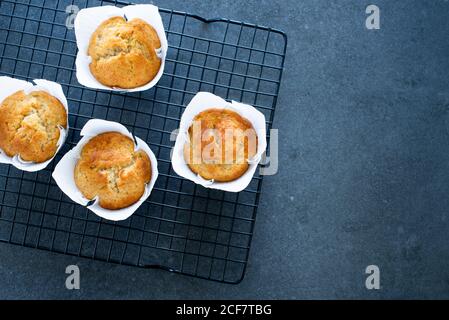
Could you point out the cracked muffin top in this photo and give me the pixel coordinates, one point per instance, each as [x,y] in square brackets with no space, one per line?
[220,144]
[124,53]
[111,169]
[30,125]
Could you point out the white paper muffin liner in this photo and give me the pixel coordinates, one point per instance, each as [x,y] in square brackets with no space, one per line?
[8,86]
[203,101]
[89,19]
[65,169]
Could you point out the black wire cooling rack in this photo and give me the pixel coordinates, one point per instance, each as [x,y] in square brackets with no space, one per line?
[182,227]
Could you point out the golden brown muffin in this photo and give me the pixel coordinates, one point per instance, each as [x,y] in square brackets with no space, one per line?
[110,169]
[221,142]
[124,53]
[30,125]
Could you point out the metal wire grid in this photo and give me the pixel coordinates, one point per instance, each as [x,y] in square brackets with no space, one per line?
[182,227]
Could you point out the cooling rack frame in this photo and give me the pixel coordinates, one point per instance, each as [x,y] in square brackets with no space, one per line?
[182,227]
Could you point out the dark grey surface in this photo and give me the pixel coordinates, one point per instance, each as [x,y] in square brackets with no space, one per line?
[364,166]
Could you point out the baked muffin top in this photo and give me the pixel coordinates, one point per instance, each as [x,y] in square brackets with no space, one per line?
[221,142]
[124,53]
[30,125]
[111,169]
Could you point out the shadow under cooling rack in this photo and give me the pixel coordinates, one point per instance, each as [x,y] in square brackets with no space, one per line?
[182,227]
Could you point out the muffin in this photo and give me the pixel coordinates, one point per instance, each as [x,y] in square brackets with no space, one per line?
[109,168]
[124,53]
[220,144]
[30,125]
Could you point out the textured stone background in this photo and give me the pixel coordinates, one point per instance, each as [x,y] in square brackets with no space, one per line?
[364,170]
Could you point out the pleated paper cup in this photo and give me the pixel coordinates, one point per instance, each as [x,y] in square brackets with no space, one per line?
[204,101]
[89,19]
[65,170]
[9,86]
